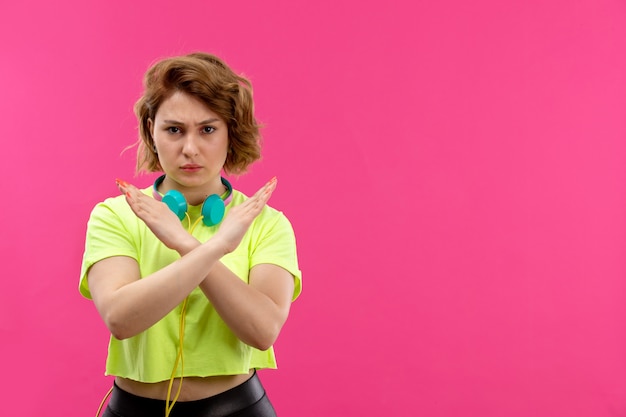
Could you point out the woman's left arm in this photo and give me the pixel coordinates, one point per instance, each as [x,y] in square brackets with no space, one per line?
[256,311]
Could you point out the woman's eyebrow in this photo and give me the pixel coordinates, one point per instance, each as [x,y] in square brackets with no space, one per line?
[204,122]
[209,121]
[172,122]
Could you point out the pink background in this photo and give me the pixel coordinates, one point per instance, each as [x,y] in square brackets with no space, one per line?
[454,170]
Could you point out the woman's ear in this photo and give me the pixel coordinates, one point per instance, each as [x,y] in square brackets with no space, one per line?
[151,133]
[151,128]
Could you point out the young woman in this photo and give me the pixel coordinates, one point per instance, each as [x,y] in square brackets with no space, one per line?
[193,279]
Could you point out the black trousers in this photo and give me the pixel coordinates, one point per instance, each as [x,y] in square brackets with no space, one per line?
[245,400]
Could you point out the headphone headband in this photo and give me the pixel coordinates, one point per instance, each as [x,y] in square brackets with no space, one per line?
[213,206]
[227,198]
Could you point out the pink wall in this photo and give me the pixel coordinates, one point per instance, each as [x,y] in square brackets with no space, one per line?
[455,172]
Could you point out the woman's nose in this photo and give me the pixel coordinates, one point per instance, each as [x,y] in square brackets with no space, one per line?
[190,146]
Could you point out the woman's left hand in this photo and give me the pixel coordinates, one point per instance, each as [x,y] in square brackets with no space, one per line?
[158,217]
[240,217]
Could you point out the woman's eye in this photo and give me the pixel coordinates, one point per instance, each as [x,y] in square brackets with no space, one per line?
[208,129]
[173,129]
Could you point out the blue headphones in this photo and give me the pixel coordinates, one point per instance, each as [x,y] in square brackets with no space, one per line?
[212,209]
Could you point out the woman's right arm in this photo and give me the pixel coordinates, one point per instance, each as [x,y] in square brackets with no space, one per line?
[129,305]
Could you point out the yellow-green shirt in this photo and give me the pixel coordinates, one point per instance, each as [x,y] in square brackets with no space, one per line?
[210,347]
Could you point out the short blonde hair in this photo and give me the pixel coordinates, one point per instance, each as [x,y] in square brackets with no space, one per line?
[209,79]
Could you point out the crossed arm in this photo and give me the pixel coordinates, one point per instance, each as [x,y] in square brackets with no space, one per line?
[255,311]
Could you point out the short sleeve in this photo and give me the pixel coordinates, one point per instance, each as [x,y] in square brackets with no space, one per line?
[274,242]
[107,236]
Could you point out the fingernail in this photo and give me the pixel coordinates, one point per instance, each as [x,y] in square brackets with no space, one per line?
[121,182]
[273,180]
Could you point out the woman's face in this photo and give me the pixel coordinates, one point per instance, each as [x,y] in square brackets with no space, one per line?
[192,142]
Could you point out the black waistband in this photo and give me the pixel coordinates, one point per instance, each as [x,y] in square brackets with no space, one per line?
[223,404]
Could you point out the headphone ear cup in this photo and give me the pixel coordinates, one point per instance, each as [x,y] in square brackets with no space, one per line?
[175,200]
[212,210]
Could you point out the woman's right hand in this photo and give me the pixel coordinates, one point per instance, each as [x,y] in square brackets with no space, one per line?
[239,218]
[159,218]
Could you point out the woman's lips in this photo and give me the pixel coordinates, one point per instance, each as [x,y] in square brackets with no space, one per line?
[190,168]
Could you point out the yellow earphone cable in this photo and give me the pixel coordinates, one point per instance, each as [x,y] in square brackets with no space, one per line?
[103,400]
[169,404]
[194,224]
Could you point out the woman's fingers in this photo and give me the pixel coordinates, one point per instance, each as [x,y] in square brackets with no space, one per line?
[127,189]
[145,207]
[240,217]
[261,197]
[266,191]
[253,205]
[155,214]
[133,196]
[269,189]
[122,185]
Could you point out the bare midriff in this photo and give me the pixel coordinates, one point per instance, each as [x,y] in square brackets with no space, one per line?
[193,388]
